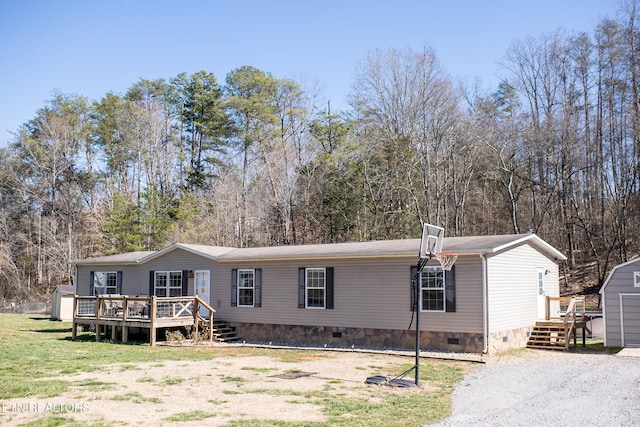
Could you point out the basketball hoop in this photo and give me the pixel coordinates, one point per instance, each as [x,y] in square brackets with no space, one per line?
[446,259]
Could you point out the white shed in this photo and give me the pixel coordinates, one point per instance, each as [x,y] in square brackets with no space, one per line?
[62,303]
[621,305]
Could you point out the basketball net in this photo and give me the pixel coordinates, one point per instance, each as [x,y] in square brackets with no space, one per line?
[446,259]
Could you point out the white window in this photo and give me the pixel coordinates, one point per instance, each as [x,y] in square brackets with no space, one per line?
[246,287]
[316,285]
[432,289]
[105,282]
[540,272]
[636,279]
[168,283]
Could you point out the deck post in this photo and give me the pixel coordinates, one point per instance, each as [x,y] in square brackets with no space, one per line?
[210,326]
[195,318]
[547,309]
[98,327]
[74,327]
[125,334]
[152,329]
[114,329]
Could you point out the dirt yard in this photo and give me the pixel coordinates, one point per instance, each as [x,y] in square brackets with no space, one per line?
[215,391]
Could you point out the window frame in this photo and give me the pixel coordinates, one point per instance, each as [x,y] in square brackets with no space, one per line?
[636,279]
[170,279]
[96,279]
[307,288]
[252,287]
[540,273]
[441,290]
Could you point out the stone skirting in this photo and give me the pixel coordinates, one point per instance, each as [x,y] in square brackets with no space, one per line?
[505,340]
[358,337]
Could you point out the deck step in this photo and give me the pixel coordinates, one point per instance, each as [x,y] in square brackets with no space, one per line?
[548,335]
[222,332]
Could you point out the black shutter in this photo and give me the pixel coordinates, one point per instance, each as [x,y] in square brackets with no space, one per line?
[119,282]
[329,284]
[257,288]
[92,279]
[234,287]
[413,285]
[450,289]
[301,287]
[185,282]
[152,278]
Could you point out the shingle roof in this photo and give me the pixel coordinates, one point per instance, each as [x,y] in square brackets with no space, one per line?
[125,258]
[470,245]
[66,289]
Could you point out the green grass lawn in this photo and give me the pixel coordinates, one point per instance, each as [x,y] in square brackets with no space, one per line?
[38,353]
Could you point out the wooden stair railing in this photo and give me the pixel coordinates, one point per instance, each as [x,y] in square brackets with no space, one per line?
[201,322]
[556,333]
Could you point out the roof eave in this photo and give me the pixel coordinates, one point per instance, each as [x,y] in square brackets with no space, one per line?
[538,241]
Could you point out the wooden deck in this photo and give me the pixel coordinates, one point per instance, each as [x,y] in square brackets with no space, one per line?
[564,317]
[152,313]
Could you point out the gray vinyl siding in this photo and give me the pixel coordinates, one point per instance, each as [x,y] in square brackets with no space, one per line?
[513,287]
[135,278]
[368,294]
[621,283]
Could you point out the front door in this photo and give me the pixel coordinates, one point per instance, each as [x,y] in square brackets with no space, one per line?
[202,288]
[542,296]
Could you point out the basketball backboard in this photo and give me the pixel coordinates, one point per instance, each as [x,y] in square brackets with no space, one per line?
[431,243]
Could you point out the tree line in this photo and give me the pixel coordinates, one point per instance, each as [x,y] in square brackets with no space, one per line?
[258,160]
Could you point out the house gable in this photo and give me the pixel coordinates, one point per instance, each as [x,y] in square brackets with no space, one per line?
[621,304]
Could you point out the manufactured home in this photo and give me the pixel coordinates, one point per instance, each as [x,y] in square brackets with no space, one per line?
[350,294]
[621,305]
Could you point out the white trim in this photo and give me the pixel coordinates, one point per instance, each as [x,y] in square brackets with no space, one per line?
[604,318]
[636,279]
[622,316]
[105,272]
[443,289]
[613,270]
[253,288]
[537,241]
[324,288]
[485,304]
[168,287]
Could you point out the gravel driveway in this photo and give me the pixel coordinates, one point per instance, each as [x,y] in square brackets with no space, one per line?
[544,388]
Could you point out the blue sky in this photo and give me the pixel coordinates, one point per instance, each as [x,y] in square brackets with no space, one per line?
[92,47]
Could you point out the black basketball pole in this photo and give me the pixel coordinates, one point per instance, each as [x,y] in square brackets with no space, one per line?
[418,284]
[418,328]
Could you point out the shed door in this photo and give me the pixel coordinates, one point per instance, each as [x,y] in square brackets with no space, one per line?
[630,319]
[203,288]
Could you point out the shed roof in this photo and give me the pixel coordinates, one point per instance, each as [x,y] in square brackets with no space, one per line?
[66,289]
[613,270]
[469,245]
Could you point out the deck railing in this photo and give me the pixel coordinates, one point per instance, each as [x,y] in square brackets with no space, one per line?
[571,311]
[125,307]
[157,312]
[560,307]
